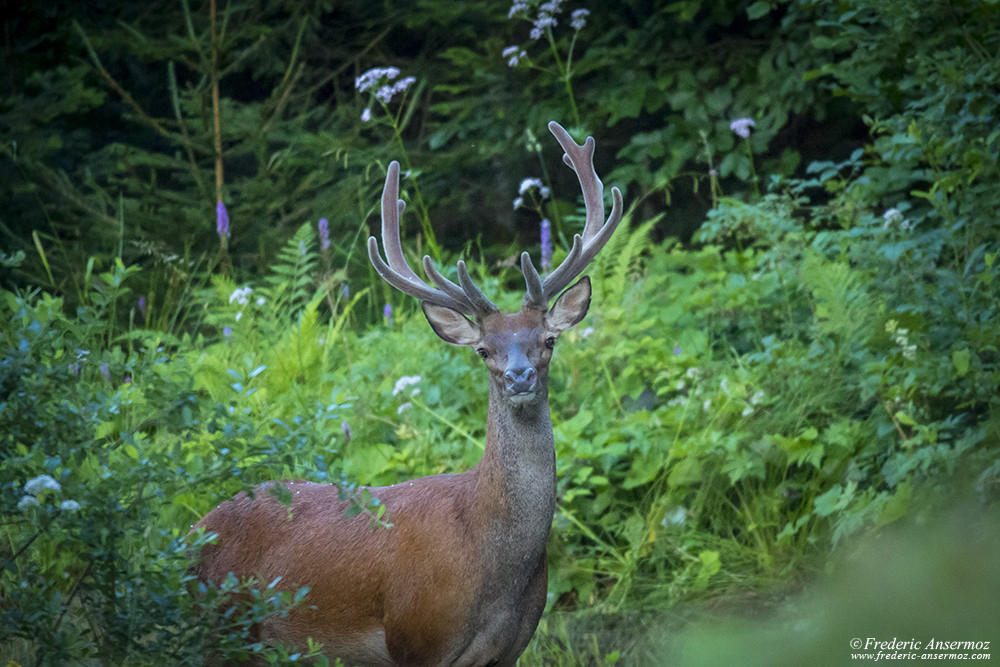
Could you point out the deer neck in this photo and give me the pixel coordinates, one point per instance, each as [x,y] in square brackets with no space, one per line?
[516,477]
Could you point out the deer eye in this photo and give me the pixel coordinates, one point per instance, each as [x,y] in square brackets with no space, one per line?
[483,353]
[550,342]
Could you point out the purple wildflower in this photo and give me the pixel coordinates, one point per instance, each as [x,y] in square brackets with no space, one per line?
[741,126]
[324,234]
[346,430]
[579,18]
[105,372]
[366,115]
[221,220]
[677,350]
[142,305]
[546,245]
[387,313]
[227,331]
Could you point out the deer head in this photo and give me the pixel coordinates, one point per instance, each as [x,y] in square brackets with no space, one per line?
[516,346]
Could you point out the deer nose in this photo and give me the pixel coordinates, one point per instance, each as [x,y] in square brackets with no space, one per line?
[520,380]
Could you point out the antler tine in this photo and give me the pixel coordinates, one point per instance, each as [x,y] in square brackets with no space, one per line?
[535,294]
[596,231]
[467,299]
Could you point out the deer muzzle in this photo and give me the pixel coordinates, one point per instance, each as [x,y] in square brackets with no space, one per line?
[520,378]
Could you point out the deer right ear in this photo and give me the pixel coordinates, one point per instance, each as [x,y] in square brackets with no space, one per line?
[570,307]
[450,325]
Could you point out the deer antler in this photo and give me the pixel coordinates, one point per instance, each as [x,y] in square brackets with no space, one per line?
[467,299]
[596,231]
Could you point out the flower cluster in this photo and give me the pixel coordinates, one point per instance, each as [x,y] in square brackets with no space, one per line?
[752,403]
[513,54]
[241,295]
[38,485]
[542,22]
[545,19]
[901,337]
[404,382]
[526,186]
[895,216]
[382,78]
[401,385]
[741,126]
[578,19]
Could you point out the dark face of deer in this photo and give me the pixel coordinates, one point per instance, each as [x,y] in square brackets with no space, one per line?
[516,347]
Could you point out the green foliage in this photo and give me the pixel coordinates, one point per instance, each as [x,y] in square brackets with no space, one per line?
[106,447]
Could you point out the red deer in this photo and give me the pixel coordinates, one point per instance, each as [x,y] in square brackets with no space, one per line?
[460,577]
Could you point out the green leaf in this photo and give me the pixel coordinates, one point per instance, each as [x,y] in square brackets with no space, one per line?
[758,10]
[960,359]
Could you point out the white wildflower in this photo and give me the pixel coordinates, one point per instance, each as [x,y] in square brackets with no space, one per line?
[900,336]
[241,295]
[239,316]
[579,18]
[741,126]
[529,183]
[69,505]
[26,502]
[403,408]
[366,115]
[890,216]
[674,517]
[41,483]
[513,54]
[403,84]
[550,7]
[747,411]
[518,203]
[516,8]
[404,382]
[261,301]
[757,398]
[544,20]
[374,76]
[586,333]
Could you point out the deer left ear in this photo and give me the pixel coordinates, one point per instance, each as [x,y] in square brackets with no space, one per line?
[450,325]
[570,307]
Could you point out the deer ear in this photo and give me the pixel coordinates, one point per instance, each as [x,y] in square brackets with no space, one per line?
[450,325]
[570,307]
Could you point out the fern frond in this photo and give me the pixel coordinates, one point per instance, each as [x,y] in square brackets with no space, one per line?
[291,284]
[620,261]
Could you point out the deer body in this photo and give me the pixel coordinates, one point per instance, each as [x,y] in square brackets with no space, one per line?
[460,577]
